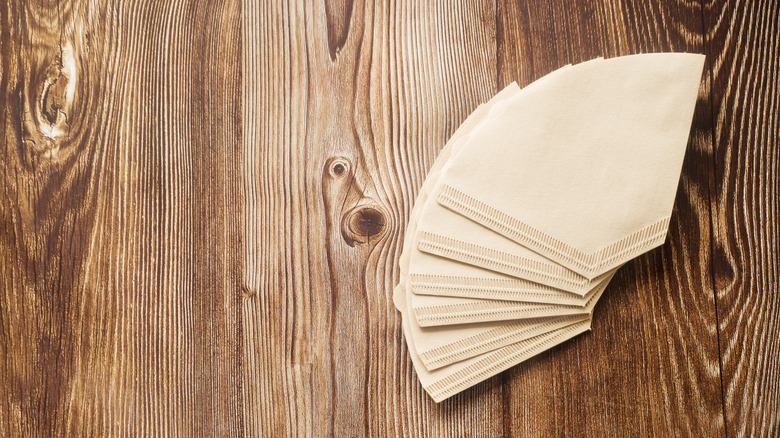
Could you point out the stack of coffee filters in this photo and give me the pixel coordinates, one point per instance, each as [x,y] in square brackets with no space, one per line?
[533,204]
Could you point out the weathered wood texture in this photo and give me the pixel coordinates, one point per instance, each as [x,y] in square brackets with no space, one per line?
[743,47]
[202,205]
[121,211]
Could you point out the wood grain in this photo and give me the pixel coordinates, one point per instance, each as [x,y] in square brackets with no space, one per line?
[120,212]
[744,56]
[202,204]
[342,135]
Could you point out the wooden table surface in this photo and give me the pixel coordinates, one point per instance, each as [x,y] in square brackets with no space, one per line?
[202,205]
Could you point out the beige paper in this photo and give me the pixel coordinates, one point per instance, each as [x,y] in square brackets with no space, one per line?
[444,345]
[476,117]
[449,380]
[444,233]
[433,311]
[436,349]
[438,276]
[582,169]
[467,281]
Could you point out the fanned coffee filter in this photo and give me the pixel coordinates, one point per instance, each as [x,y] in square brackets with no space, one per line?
[460,245]
[433,311]
[466,281]
[476,117]
[447,234]
[444,345]
[438,276]
[451,379]
[447,381]
[437,349]
[437,311]
[583,168]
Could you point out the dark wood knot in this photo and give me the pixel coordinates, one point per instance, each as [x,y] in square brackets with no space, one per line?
[367,221]
[338,167]
[363,224]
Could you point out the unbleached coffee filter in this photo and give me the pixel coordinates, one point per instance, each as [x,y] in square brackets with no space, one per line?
[444,345]
[476,297]
[476,118]
[582,169]
[432,311]
[444,233]
[449,380]
[453,378]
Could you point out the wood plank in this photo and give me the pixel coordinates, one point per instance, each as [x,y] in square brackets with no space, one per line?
[743,46]
[346,106]
[120,214]
[650,364]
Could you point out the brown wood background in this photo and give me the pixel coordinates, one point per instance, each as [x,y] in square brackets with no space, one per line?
[208,246]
